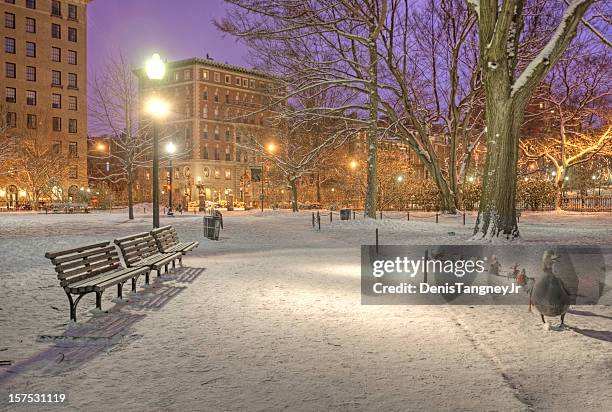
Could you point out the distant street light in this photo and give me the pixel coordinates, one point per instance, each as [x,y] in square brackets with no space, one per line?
[170,150]
[157,108]
[353,164]
[400,179]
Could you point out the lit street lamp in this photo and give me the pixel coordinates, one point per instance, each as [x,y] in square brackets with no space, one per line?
[156,69]
[170,150]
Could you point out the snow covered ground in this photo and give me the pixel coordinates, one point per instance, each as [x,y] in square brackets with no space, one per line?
[270,318]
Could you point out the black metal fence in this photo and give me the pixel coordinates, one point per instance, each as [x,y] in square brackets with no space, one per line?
[570,203]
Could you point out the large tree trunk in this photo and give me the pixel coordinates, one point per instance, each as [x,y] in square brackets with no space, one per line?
[130,193]
[294,194]
[559,181]
[497,211]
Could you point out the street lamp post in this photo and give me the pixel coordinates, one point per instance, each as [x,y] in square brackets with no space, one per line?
[170,149]
[270,148]
[156,70]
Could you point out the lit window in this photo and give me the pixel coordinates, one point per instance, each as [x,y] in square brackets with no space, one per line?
[217,77]
[72,34]
[30,97]
[30,49]
[9,69]
[72,149]
[72,80]
[72,12]
[11,95]
[228,173]
[56,8]
[9,45]
[56,31]
[9,20]
[204,74]
[56,78]
[56,54]
[30,73]
[56,101]
[30,25]
[72,57]
[72,103]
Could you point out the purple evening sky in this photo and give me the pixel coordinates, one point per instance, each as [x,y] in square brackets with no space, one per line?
[176,30]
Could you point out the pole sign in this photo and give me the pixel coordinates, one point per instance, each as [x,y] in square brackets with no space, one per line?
[256,173]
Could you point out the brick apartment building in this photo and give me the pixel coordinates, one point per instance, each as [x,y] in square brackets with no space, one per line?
[214,109]
[44,82]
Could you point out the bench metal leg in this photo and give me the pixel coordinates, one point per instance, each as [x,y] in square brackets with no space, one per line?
[181,261]
[73,304]
[147,278]
[120,290]
[133,284]
[166,266]
[99,300]
[174,264]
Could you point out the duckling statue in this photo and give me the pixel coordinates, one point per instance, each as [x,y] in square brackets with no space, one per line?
[549,294]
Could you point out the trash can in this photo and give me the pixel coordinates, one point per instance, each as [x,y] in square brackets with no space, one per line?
[212,226]
[345,214]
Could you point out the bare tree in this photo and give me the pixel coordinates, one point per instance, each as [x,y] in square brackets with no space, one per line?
[115,109]
[574,107]
[506,96]
[321,45]
[37,168]
[8,137]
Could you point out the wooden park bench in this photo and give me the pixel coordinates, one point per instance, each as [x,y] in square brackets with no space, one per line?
[168,241]
[92,269]
[141,250]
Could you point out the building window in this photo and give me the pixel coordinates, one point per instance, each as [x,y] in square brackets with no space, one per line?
[31,4]
[252,84]
[205,112]
[56,31]
[227,135]
[217,77]
[72,103]
[228,174]
[228,153]
[30,25]
[72,57]
[9,20]
[30,97]
[72,80]
[56,78]
[72,150]
[56,8]
[56,54]
[9,69]
[237,81]
[245,82]
[11,119]
[9,45]
[31,73]
[205,152]
[56,147]
[73,172]
[9,1]
[216,153]
[31,121]
[72,125]
[57,124]
[227,79]
[30,49]
[72,12]
[11,94]
[56,101]
[217,133]
[204,74]
[216,113]
[217,173]
[187,74]
[72,34]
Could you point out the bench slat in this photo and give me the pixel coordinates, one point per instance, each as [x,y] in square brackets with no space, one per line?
[88,261]
[53,255]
